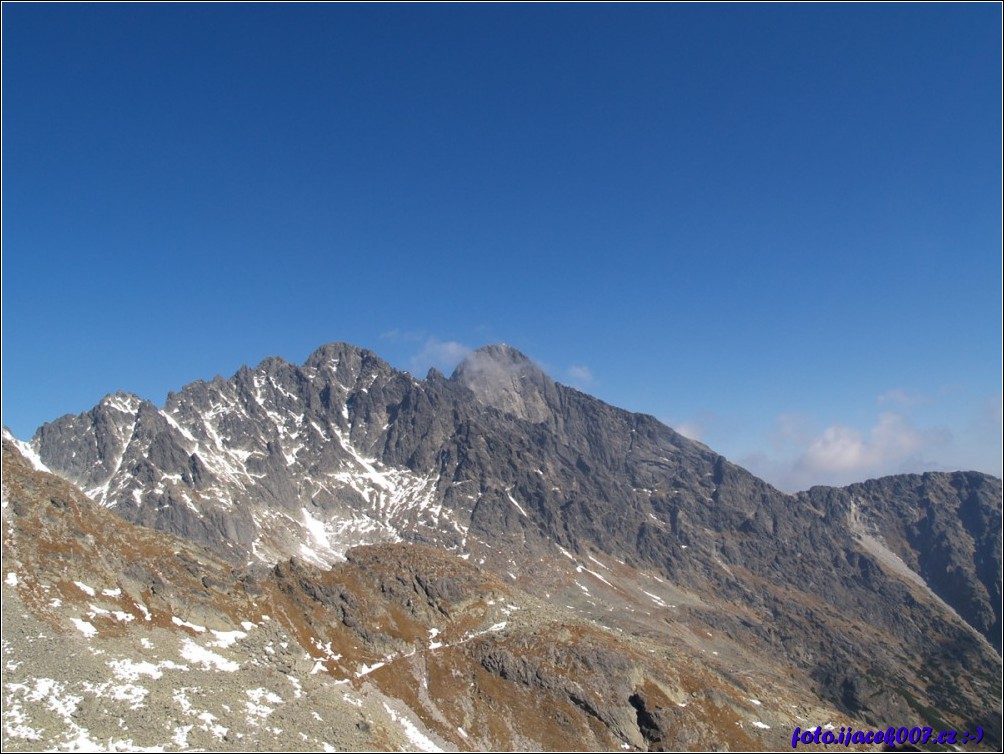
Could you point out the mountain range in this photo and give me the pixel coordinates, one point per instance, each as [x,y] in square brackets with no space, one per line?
[490,560]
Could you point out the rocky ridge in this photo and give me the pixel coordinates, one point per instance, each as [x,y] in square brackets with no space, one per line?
[538,484]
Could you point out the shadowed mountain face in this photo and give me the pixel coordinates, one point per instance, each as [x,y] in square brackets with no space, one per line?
[946,528]
[885,594]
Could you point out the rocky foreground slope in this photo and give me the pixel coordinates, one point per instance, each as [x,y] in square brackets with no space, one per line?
[542,569]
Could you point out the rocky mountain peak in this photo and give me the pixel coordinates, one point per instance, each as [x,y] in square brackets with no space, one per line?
[502,377]
[501,352]
[347,363]
[122,401]
[339,352]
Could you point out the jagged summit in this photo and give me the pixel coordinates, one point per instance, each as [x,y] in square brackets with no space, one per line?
[338,351]
[493,360]
[503,377]
[500,352]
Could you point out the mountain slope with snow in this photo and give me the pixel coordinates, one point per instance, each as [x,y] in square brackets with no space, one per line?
[117,637]
[537,483]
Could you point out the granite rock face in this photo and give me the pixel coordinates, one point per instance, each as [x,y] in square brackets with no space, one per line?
[500,464]
[947,529]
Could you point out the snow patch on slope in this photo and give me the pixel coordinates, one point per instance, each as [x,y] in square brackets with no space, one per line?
[27,451]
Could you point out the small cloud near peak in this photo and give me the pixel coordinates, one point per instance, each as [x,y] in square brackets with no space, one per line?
[444,355]
[690,430]
[580,375]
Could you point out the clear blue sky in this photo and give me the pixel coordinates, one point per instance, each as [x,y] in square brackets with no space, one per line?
[775,227]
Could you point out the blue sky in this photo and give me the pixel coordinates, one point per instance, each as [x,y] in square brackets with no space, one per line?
[777,228]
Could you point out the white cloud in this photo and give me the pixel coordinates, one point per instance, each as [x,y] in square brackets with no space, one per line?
[993,409]
[444,355]
[839,448]
[704,426]
[791,430]
[399,336]
[841,454]
[903,398]
[893,439]
[580,375]
[691,430]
